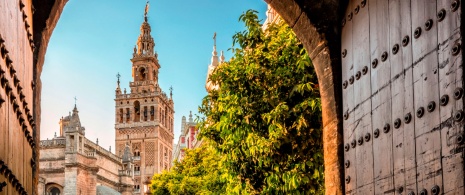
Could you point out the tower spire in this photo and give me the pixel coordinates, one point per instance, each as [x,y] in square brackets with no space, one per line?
[145,44]
[191,120]
[222,57]
[214,61]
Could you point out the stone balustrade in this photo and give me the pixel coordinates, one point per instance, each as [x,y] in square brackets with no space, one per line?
[124,173]
[101,150]
[148,94]
[53,143]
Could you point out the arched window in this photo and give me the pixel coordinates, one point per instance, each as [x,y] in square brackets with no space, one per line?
[152,113]
[137,153]
[121,115]
[165,117]
[145,113]
[142,74]
[128,115]
[136,111]
[54,191]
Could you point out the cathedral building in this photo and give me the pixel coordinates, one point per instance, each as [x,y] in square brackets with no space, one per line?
[189,131]
[144,117]
[187,139]
[72,164]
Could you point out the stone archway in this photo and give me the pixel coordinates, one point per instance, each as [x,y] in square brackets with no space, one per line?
[316,24]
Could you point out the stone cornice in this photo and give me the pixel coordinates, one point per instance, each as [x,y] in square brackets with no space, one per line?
[52,170]
[51,159]
[115,184]
[82,166]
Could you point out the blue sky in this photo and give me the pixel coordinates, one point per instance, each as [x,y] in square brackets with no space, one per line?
[94,40]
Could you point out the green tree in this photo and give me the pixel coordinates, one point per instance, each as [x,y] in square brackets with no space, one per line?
[265,117]
[198,173]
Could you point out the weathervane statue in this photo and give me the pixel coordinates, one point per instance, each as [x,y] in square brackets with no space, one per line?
[214,39]
[146,10]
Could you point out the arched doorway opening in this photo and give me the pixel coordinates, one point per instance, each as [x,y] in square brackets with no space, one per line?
[316,24]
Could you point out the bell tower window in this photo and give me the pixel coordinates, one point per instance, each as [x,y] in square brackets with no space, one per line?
[136,111]
[120,115]
[145,113]
[152,113]
[142,74]
[128,115]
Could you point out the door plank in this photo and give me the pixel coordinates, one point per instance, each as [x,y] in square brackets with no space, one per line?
[348,101]
[450,78]
[426,89]
[381,97]
[362,93]
[402,97]
[409,133]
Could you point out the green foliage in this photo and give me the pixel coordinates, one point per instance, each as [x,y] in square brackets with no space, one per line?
[198,173]
[265,117]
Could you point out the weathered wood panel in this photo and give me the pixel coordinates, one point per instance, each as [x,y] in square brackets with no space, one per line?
[402,96]
[406,100]
[426,90]
[381,96]
[362,103]
[348,103]
[408,115]
[450,79]
[16,63]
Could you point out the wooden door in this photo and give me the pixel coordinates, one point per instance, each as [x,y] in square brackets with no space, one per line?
[402,76]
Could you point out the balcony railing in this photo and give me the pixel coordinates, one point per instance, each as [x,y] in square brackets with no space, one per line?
[124,173]
[90,153]
[136,158]
[136,172]
[140,83]
[52,143]
[148,94]
[136,190]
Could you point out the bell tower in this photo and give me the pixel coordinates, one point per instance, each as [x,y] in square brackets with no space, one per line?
[144,117]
